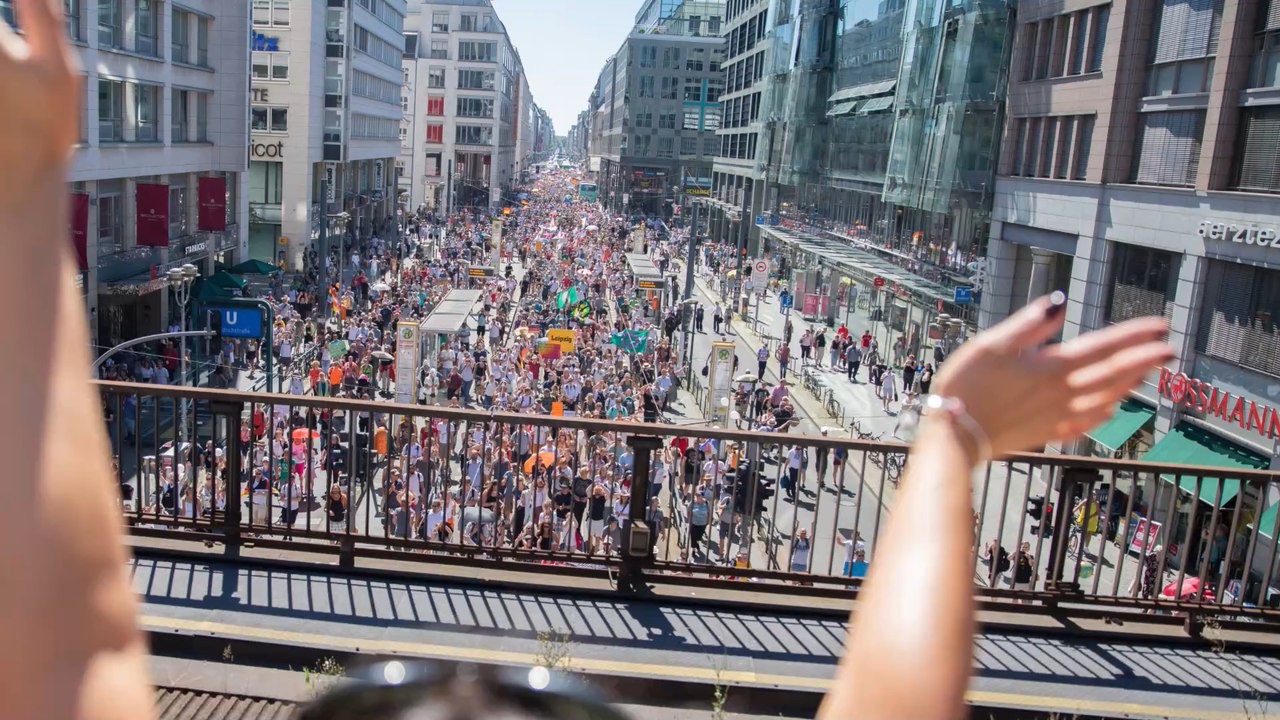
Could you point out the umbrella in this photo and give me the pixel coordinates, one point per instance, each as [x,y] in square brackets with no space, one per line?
[382,287]
[382,355]
[303,433]
[254,267]
[203,289]
[224,279]
[544,458]
[1192,588]
[593,228]
[479,515]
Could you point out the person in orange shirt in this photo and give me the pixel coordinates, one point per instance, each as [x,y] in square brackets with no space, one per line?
[335,376]
[380,440]
[313,374]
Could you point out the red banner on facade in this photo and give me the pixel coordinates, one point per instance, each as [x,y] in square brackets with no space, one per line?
[80,229]
[212,192]
[153,215]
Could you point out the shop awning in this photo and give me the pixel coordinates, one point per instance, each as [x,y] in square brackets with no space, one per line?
[1189,445]
[876,105]
[1127,420]
[1267,521]
[224,279]
[843,108]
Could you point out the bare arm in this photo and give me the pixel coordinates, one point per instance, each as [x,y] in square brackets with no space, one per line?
[69,645]
[910,642]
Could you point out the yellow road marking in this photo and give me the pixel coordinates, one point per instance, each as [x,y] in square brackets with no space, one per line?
[623,667]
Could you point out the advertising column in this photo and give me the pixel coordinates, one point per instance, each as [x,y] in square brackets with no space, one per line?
[407,344]
[720,383]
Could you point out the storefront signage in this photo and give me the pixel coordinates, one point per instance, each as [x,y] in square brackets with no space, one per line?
[1201,397]
[331,182]
[260,95]
[1248,234]
[379,176]
[697,191]
[80,229]
[152,220]
[1143,533]
[263,43]
[212,197]
[194,248]
[273,150]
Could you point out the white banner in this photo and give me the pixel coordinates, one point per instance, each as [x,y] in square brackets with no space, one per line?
[331,180]
[379,175]
[407,362]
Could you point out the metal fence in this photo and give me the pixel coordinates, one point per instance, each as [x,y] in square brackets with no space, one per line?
[684,502]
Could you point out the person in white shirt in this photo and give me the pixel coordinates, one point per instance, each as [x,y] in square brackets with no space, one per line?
[795,460]
[162,374]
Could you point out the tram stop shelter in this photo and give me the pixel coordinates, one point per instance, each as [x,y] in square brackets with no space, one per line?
[650,283]
[447,320]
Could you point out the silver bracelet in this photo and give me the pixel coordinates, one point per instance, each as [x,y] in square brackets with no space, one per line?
[955,408]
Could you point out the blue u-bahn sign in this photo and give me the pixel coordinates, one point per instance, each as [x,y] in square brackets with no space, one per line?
[240,322]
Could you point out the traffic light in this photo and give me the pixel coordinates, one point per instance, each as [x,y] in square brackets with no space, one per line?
[1042,512]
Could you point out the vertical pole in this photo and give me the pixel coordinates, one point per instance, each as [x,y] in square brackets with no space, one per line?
[231,414]
[448,190]
[742,241]
[686,310]
[324,247]
[634,558]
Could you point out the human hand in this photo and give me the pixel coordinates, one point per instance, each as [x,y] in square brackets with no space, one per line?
[1023,395]
[40,125]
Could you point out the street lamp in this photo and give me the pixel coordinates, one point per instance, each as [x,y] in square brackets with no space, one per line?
[181,279]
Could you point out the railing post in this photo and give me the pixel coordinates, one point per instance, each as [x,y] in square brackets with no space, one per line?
[637,541]
[232,413]
[1063,520]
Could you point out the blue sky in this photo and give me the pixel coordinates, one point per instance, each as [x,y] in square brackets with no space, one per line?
[563,44]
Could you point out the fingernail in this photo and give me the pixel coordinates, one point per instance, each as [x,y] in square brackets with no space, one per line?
[1056,304]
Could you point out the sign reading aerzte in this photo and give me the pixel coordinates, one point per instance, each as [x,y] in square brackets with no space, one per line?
[1249,234]
[241,322]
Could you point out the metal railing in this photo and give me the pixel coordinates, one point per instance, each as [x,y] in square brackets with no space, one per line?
[689,503]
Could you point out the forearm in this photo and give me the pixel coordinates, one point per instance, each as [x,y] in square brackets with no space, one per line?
[919,590]
[67,600]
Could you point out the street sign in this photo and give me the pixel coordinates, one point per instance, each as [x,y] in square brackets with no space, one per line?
[760,267]
[759,219]
[240,322]
[963,295]
[481,271]
[878,282]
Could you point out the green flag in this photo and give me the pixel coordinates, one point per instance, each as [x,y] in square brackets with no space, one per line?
[632,341]
[567,297]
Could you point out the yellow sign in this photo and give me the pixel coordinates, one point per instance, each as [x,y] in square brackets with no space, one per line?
[481,271]
[564,337]
[651,284]
[283,240]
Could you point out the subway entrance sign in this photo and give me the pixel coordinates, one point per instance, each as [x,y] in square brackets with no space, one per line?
[482,271]
[240,322]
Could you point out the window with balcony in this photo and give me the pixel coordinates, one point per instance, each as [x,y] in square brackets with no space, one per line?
[263,118]
[271,12]
[110,110]
[270,66]
[110,22]
[473,135]
[435,78]
[475,107]
[476,51]
[146,24]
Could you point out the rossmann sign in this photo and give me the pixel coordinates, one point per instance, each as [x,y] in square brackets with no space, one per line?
[1203,398]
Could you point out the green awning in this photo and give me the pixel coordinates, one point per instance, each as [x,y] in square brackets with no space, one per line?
[226,280]
[254,267]
[1189,445]
[1129,417]
[1267,521]
[202,289]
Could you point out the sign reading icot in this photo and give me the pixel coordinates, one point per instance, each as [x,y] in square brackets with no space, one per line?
[878,282]
[1201,397]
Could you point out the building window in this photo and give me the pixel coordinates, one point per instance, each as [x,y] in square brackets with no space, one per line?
[475,79]
[109,23]
[1063,45]
[268,119]
[404,136]
[439,49]
[435,77]
[473,135]
[688,145]
[1239,322]
[435,133]
[410,49]
[202,41]
[1084,145]
[109,217]
[648,56]
[1051,146]
[644,120]
[265,182]
[469,23]
[180,36]
[179,108]
[146,111]
[145,28]
[666,147]
[1185,30]
[670,88]
[270,66]
[646,87]
[110,110]
[1168,147]
[271,12]
[1141,283]
[475,51]
[177,211]
[440,22]
[1181,77]
[74,11]
[1258,157]
[475,107]
[435,105]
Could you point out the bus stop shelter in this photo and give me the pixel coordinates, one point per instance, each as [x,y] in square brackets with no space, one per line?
[447,320]
[650,283]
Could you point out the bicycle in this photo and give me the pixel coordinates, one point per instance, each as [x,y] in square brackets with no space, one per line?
[832,404]
[893,467]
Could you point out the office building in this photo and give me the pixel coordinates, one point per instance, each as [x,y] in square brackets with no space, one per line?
[656,107]
[467,121]
[158,177]
[324,123]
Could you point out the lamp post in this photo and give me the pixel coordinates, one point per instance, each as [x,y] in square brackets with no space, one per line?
[181,280]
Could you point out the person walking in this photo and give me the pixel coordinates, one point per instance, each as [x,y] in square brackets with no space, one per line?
[852,359]
[819,347]
[762,360]
[698,312]
[888,389]
[784,359]
[717,317]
